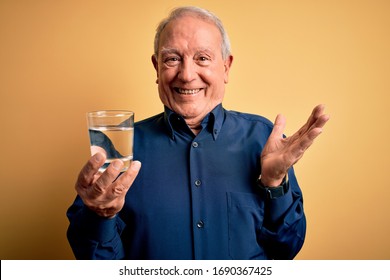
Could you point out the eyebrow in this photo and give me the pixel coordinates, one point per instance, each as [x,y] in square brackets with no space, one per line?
[174,50]
[168,51]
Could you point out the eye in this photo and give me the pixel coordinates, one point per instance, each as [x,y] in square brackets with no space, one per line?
[203,60]
[172,60]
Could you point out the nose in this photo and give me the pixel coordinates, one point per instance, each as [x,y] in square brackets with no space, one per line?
[187,71]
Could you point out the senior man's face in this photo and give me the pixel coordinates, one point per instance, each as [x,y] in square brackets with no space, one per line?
[191,73]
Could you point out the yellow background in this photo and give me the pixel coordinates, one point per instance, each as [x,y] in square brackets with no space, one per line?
[60,59]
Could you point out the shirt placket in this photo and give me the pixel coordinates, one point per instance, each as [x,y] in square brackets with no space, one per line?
[197,181]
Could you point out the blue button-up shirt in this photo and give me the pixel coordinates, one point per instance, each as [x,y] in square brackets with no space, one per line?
[196,197]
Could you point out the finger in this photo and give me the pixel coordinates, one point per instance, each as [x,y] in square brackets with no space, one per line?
[106,179]
[317,128]
[306,140]
[318,125]
[318,110]
[317,114]
[279,126]
[321,121]
[98,149]
[90,169]
[312,121]
[124,182]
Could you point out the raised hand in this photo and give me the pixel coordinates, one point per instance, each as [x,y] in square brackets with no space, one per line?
[104,193]
[279,153]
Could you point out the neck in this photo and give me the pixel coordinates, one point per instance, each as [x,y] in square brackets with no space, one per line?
[195,127]
[196,130]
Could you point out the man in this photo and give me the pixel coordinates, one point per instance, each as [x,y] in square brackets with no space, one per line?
[214,184]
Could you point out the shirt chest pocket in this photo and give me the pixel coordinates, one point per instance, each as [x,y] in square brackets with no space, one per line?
[245,219]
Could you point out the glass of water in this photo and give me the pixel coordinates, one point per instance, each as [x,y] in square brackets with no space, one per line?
[111,132]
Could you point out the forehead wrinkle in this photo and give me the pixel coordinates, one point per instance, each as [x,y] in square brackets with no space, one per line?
[176,32]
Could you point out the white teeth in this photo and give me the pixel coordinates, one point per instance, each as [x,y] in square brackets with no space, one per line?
[188,91]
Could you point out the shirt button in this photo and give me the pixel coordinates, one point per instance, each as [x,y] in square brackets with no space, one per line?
[198,183]
[200,224]
[195,144]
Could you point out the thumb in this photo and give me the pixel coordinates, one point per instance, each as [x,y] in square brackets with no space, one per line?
[279,126]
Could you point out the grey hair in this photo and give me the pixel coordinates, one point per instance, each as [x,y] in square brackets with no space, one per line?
[197,12]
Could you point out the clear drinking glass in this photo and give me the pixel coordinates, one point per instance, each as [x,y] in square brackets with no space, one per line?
[111,132]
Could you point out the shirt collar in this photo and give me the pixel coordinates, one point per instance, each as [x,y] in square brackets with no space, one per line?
[212,122]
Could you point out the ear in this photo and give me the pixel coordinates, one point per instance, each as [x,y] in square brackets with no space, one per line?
[155,65]
[154,61]
[228,63]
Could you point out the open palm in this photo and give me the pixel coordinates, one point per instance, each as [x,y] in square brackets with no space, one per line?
[280,153]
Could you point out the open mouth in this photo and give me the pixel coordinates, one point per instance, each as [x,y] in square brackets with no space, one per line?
[187,91]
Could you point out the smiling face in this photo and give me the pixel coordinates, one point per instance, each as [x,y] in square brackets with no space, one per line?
[191,73]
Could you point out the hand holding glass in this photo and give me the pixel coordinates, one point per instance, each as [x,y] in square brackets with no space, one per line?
[111,132]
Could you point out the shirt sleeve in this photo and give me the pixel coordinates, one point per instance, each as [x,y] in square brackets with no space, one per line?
[94,237]
[284,228]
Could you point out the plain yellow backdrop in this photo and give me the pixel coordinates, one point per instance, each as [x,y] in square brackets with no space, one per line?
[60,59]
